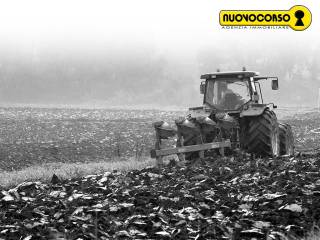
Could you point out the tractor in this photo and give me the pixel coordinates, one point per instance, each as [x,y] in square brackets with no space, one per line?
[233,117]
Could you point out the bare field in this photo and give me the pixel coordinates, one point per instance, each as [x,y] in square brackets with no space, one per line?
[215,198]
[33,136]
[306,128]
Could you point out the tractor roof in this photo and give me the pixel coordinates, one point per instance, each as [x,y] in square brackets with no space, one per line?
[239,74]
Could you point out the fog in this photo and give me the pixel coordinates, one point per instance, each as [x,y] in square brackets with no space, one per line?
[142,54]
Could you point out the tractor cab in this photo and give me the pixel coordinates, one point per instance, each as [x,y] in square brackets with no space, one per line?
[232,91]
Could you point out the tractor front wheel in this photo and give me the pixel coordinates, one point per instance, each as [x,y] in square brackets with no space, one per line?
[260,134]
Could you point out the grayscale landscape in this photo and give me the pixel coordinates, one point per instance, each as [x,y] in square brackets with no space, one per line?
[81,86]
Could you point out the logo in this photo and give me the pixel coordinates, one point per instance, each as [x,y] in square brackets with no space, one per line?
[298,18]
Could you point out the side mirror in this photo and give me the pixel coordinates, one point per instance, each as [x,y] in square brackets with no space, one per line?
[202,87]
[274,84]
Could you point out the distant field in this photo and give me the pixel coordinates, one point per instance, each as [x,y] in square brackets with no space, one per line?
[306,128]
[35,136]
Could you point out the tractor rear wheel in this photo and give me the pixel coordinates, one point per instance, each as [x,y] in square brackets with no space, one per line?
[286,139]
[260,134]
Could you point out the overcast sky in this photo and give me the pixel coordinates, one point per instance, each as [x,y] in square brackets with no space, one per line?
[177,30]
[169,25]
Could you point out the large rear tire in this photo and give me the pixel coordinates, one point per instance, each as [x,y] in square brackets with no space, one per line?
[260,134]
[286,139]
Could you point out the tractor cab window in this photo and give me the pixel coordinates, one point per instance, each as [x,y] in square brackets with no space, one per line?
[228,94]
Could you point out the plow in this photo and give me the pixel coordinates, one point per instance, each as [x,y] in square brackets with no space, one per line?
[233,117]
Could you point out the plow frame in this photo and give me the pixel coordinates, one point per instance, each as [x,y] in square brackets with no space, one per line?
[158,153]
